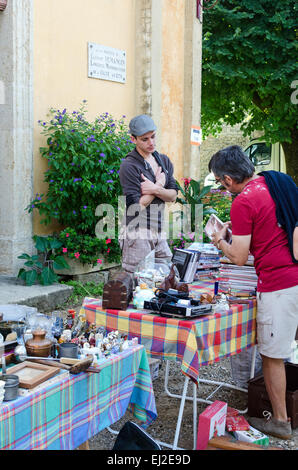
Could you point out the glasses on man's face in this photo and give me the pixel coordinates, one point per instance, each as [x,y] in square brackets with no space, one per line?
[218,181]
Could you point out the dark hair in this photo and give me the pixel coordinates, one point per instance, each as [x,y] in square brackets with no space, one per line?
[233,162]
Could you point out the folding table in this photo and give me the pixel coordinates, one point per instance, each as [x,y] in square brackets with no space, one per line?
[64,415]
[193,343]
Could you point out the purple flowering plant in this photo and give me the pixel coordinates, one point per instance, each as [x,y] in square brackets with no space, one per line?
[83,158]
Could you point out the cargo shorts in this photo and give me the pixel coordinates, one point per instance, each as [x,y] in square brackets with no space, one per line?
[277,322]
[134,250]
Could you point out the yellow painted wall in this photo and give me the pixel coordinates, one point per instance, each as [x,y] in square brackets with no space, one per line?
[62,30]
[172,95]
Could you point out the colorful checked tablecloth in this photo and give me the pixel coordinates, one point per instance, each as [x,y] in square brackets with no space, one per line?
[195,343]
[66,414]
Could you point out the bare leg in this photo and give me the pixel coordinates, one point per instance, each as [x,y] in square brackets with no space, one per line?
[275,382]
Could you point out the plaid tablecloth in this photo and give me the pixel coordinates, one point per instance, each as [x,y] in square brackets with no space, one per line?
[64,415]
[194,343]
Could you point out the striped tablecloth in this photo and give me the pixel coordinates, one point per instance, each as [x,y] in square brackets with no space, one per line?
[66,414]
[194,343]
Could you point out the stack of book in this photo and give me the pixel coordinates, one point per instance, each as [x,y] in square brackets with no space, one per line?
[237,278]
[209,260]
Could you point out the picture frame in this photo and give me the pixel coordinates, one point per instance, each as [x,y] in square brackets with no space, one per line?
[32,374]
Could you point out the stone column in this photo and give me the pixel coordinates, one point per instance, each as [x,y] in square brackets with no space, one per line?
[143,92]
[192,87]
[16,133]
[171,96]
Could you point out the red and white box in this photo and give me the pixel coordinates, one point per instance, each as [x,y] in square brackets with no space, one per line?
[237,423]
[212,423]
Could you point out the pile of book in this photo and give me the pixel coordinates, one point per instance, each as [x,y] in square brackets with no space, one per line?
[209,260]
[237,278]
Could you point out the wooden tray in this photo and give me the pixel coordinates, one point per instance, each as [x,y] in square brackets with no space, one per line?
[32,374]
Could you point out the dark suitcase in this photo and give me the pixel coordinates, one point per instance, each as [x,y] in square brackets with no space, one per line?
[258,400]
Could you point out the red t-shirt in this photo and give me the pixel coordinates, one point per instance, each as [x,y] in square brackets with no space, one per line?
[253,213]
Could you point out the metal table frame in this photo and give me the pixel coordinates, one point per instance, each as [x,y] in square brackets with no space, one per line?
[195,400]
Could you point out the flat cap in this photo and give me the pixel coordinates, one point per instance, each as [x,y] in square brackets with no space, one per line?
[141,124]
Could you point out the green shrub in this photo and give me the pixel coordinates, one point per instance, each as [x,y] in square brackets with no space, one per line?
[83,172]
[40,268]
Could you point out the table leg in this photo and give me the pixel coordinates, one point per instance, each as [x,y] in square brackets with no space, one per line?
[212,382]
[195,416]
[180,415]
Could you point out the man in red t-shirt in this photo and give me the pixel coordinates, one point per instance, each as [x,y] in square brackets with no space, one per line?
[255,229]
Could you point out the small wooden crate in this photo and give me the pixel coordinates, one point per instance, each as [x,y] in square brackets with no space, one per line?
[117,293]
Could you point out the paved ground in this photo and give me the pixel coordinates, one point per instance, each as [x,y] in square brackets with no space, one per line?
[44,298]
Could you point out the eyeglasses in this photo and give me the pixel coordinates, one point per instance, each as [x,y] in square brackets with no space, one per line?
[218,181]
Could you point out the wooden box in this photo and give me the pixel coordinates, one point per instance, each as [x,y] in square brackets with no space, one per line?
[117,292]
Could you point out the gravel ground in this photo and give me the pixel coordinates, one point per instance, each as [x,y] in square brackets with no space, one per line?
[163,428]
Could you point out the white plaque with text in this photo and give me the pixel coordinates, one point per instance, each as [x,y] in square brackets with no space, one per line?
[106,63]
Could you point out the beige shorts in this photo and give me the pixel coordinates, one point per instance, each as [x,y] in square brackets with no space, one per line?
[277,322]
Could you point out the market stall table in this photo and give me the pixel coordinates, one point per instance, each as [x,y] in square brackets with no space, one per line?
[64,415]
[194,342]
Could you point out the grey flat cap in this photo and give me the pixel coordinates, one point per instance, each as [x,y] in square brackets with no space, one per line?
[141,124]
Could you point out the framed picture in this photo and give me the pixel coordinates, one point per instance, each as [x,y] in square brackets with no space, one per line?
[32,374]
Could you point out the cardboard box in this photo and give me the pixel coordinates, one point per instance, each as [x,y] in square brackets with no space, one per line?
[212,423]
[154,365]
[236,423]
[253,436]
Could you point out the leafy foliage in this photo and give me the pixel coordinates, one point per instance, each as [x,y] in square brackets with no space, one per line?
[193,194]
[40,267]
[249,64]
[83,171]
[86,248]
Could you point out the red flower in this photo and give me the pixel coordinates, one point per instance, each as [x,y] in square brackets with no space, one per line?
[108,240]
[186,181]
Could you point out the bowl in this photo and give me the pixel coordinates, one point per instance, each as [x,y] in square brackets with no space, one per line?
[68,350]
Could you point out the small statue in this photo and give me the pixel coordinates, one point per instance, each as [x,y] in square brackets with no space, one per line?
[170,282]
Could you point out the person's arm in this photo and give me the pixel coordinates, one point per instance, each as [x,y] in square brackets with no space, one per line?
[237,251]
[145,200]
[148,188]
[167,195]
